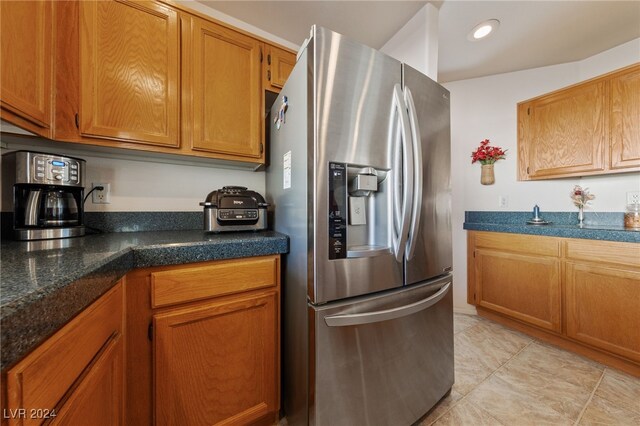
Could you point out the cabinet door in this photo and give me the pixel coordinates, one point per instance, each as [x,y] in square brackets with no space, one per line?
[279,65]
[25,65]
[217,362]
[625,119]
[129,62]
[98,399]
[602,307]
[566,132]
[222,79]
[52,372]
[525,287]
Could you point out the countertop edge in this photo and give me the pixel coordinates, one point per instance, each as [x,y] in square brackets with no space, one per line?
[556,231]
[27,322]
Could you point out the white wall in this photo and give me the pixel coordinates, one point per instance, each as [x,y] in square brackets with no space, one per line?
[417,42]
[486,108]
[143,183]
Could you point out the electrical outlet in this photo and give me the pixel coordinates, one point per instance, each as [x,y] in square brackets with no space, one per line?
[503,201]
[103,196]
[633,197]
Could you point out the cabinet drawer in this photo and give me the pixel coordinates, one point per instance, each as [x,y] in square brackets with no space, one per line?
[215,279]
[529,244]
[42,379]
[604,251]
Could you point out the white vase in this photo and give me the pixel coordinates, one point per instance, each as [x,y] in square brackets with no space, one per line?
[581,216]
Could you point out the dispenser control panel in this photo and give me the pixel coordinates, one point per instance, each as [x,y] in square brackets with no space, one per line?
[337,211]
[55,170]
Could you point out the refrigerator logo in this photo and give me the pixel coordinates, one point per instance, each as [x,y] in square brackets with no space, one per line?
[238,202]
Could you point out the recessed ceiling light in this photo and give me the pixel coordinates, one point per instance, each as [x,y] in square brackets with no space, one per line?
[483,29]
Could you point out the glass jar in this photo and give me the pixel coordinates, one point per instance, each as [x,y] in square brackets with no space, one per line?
[632,216]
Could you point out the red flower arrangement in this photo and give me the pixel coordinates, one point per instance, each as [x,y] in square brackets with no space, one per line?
[487,154]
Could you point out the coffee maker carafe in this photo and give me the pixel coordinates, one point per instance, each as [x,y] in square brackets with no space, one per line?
[47,194]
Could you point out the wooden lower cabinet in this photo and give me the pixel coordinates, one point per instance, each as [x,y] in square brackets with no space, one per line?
[503,277]
[98,400]
[580,294]
[206,352]
[76,376]
[216,362]
[603,307]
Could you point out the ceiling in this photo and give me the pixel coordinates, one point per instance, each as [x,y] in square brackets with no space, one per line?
[531,34]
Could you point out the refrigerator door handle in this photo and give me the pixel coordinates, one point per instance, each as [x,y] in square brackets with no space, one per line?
[404,172]
[417,177]
[388,314]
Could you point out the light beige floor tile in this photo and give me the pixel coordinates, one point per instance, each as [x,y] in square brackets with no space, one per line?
[559,379]
[482,349]
[468,375]
[603,412]
[441,408]
[620,389]
[467,413]
[463,321]
[513,405]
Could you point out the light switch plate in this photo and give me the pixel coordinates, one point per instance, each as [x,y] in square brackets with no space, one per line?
[633,197]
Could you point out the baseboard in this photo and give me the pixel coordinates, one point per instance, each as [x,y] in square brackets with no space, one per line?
[468,310]
[563,342]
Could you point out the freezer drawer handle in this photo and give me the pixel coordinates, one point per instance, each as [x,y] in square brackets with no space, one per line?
[387,314]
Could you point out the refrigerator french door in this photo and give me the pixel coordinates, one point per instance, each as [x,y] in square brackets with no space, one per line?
[359,181]
[381,360]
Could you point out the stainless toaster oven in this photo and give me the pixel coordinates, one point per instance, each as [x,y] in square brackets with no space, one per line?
[234,208]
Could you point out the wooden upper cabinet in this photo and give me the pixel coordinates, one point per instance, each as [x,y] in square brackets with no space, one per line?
[277,67]
[625,119]
[567,131]
[26,61]
[589,128]
[222,90]
[129,71]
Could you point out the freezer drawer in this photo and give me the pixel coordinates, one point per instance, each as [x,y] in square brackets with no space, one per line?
[384,359]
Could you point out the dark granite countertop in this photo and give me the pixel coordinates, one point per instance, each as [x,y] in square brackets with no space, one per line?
[46,283]
[598,226]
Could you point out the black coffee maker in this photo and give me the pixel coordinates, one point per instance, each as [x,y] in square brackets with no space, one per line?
[46,192]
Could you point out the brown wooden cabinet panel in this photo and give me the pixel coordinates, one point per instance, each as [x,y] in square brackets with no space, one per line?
[223,87]
[579,294]
[568,131]
[26,34]
[50,376]
[129,71]
[625,119]
[217,363]
[98,399]
[602,307]
[208,360]
[204,282]
[502,278]
[604,252]
[279,65]
[590,128]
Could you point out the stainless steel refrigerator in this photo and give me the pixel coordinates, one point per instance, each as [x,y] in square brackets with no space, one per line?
[359,180]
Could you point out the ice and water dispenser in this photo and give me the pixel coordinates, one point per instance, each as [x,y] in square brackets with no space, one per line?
[359,211]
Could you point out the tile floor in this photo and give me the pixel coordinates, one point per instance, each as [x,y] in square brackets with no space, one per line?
[504,377]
